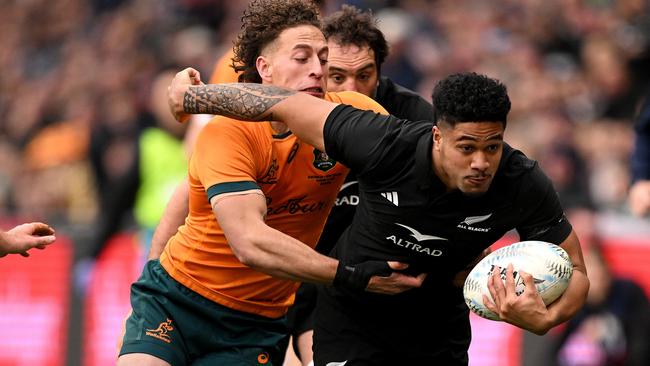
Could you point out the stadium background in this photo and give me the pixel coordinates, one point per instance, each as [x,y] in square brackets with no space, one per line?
[75,83]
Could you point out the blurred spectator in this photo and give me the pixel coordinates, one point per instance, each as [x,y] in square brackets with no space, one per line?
[584,61]
[397,26]
[55,179]
[639,198]
[139,159]
[163,160]
[76,78]
[613,328]
[566,169]
[114,153]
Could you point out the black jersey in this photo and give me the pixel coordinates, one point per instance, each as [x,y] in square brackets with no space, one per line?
[405,213]
[398,101]
[402,102]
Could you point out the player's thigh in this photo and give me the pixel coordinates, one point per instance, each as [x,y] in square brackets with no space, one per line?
[140,359]
[300,320]
[304,343]
[161,317]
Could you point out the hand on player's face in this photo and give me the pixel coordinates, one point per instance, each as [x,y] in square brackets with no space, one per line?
[526,310]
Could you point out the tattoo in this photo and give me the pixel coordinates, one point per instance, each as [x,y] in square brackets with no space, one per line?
[245,101]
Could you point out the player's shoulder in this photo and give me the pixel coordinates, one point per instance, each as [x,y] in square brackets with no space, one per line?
[357,100]
[515,164]
[220,128]
[388,88]
[402,102]
[221,123]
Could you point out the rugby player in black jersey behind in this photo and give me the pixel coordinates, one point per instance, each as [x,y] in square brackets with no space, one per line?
[434,197]
[357,49]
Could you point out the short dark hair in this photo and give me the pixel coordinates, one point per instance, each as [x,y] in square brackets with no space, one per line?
[470,97]
[262,23]
[350,25]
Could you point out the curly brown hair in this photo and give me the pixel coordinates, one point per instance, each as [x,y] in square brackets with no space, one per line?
[351,26]
[262,23]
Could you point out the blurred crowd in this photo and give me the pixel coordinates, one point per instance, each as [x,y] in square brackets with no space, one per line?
[77,91]
[82,80]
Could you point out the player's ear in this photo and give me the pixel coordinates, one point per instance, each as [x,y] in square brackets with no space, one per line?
[437,137]
[264,68]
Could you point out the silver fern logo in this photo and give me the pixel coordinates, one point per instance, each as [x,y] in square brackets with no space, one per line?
[469,221]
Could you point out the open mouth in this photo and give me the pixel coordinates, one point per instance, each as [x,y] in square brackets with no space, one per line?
[315,91]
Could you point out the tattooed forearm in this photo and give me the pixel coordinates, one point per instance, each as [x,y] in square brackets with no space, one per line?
[243,101]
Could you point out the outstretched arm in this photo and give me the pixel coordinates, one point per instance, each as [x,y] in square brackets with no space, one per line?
[267,250]
[304,114]
[25,237]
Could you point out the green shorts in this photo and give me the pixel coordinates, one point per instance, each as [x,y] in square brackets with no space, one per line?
[175,324]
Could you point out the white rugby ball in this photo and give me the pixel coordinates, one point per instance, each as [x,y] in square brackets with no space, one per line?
[549,265]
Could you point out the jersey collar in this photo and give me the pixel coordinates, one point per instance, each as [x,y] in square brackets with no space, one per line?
[426,178]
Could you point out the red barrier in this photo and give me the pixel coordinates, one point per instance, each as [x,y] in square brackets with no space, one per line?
[493,343]
[107,301]
[498,344]
[34,306]
[630,259]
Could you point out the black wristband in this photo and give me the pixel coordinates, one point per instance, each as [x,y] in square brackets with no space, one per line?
[358,276]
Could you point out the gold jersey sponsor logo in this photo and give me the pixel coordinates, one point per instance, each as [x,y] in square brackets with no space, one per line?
[299,205]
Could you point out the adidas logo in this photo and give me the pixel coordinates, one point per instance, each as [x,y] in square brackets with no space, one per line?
[392,197]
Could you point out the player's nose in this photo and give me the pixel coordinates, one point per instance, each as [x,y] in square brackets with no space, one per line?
[350,85]
[480,161]
[316,68]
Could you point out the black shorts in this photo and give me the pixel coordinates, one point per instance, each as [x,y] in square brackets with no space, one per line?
[367,331]
[300,317]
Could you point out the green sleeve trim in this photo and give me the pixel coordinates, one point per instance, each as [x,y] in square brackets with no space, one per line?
[228,187]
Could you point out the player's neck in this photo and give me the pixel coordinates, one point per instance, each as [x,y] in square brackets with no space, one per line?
[439,171]
[278,127]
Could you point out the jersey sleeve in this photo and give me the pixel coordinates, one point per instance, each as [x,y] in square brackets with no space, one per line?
[356,137]
[539,205]
[225,159]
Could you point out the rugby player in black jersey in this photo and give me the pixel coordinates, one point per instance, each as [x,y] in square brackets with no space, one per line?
[357,49]
[431,196]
